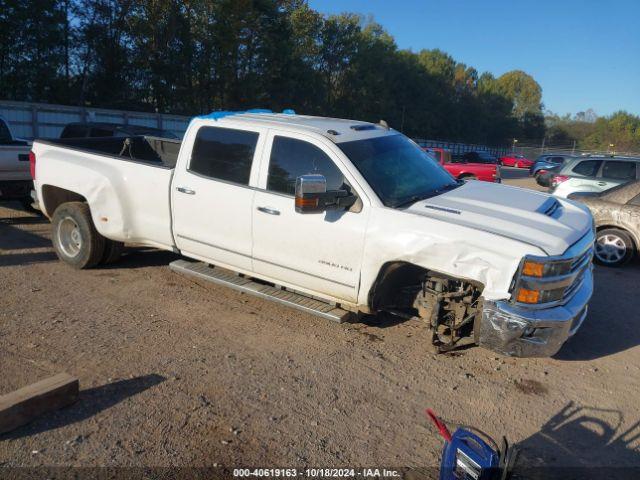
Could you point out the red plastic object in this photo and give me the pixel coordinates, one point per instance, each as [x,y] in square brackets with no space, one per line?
[442,428]
[32,164]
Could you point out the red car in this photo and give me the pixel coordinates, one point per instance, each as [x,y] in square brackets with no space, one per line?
[518,161]
[463,170]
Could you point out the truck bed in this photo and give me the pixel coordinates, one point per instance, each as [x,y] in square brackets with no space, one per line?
[126,180]
[156,151]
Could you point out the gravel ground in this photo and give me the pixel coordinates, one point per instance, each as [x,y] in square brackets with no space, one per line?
[175,372]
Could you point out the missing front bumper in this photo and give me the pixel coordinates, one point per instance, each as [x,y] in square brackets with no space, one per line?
[522,332]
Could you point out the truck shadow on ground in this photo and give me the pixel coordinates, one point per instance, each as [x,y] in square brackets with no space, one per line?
[14,238]
[609,327]
[12,259]
[140,257]
[582,442]
[91,402]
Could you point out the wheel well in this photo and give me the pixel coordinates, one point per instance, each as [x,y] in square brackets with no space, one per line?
[393,276]
[397,275]
[617,227]
[53,197]
[467,174]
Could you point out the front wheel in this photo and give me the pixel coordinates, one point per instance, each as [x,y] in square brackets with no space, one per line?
[613,247]
[74,236]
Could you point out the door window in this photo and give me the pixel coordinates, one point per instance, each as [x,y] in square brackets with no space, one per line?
[100,132]
[74,131]
[619,170]
[224,154]
[291,158]
[587,168]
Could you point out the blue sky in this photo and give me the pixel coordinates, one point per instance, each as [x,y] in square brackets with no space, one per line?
[584,53]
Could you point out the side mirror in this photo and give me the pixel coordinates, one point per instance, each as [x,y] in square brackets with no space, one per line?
[312,195]
[309,189]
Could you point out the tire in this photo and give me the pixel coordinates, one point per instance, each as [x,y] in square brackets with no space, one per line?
[112,252]
[614,247]
[74,236]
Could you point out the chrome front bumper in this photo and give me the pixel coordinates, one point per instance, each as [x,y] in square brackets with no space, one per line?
[525,332]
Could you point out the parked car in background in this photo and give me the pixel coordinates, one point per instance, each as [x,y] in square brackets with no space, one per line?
[594,174]
[15,178]
[102,129]
[617,217]
[479,156]
[545,166]
[517,161]
[486,172]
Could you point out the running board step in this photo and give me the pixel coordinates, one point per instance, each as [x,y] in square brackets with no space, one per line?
[243,284]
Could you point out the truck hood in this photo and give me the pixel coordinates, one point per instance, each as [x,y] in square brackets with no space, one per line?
[531,217]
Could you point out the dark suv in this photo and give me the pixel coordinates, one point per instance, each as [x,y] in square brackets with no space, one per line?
[545,165]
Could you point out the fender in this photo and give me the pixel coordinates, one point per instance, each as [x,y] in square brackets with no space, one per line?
[453,250]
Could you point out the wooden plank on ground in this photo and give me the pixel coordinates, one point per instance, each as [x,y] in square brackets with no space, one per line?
[24,405]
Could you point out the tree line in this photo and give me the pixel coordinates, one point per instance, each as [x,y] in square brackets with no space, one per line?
[618,132]
[194,56]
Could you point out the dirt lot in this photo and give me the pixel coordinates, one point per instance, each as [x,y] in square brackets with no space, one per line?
[175,372]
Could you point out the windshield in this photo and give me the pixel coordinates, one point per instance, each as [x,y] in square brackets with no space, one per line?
[397,169]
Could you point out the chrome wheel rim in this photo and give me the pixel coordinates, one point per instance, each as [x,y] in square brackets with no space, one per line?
[610,248]
[69,237]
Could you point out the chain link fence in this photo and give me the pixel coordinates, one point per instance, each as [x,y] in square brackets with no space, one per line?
[33,120]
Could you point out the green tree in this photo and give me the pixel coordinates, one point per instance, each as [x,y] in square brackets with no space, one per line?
[523,91]
[32,50]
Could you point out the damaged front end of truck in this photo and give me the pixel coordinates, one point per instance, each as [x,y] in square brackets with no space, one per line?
[548,303]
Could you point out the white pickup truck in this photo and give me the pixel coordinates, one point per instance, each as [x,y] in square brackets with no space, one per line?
[15,178]
[330,216]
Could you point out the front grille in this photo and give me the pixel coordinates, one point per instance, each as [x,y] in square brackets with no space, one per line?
[584,258]
[580,265]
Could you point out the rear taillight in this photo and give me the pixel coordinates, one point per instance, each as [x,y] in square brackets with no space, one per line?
[558,179]
[32,164]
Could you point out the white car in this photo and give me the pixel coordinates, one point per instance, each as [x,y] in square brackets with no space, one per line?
[15,178]
[331,216]
[594,175]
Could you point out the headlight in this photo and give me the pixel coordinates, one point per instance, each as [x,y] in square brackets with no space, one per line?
[544,280]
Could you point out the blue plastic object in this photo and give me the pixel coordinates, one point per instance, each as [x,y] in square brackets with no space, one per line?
[288,111]
[468,456]
[226,113]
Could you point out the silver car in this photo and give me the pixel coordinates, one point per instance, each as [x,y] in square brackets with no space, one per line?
[594,174]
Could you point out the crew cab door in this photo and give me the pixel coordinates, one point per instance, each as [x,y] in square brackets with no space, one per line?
[212,195]
[316,252]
